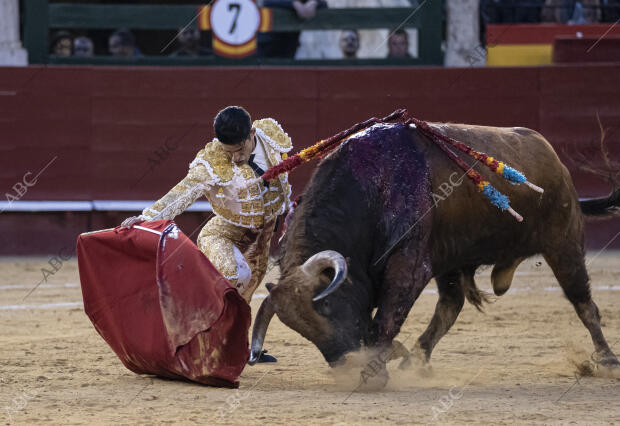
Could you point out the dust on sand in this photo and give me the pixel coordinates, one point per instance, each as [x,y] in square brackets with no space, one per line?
[515,364]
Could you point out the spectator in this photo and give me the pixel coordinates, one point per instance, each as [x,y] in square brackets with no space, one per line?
[511,11]
[83,47]
[489,12]
[559,11]
[398,44]
[592,11]
[62,44]
[189,42]
[284,44]
[572,12]
[577,18]
[520,12]
[611,10]
[349,43]
[122,43]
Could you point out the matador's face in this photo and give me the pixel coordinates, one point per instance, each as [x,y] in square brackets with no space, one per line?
[240,153]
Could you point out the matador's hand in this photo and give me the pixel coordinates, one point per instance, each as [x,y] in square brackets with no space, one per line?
[130,221]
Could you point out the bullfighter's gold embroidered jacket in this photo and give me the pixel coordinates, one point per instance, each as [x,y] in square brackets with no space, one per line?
[225,184]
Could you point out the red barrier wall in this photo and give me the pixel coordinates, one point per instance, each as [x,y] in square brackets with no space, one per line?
[103,123]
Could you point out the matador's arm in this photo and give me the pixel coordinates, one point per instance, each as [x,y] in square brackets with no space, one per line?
[197,182]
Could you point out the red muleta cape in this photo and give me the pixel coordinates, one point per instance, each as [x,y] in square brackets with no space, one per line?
[162,306]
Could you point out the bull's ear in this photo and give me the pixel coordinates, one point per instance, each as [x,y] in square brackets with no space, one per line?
[270,286]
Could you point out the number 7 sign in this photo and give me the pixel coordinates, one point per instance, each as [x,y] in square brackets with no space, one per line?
[235,24]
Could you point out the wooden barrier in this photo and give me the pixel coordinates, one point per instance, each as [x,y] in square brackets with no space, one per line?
[108,127]
[533,44]
[586,49]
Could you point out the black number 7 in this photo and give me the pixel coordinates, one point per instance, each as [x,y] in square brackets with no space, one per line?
[237,8]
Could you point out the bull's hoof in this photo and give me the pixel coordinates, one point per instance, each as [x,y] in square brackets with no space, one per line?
[418,361]
[605,358]
[419,355]
[610,362]
[425,370]
[398,350]
[422,367]
[405,364]
[373,380]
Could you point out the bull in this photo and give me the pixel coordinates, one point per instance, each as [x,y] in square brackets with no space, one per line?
[387,211]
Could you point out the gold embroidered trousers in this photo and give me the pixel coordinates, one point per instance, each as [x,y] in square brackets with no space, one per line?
[240,254]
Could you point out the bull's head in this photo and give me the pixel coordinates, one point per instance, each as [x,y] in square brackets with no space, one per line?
[306,299]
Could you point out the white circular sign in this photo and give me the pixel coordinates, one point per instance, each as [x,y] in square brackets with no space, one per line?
[235,21]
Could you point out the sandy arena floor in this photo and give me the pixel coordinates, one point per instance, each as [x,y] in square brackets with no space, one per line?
[514,364]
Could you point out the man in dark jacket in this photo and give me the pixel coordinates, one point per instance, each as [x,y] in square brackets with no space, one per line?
[284,44]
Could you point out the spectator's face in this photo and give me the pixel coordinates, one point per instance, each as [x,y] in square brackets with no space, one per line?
[63,47]
[117,48]
[82,47]
[398,45]
[189,37]
[349,43]
[240,153]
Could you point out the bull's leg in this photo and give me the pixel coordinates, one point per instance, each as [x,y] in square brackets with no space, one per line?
[406,274]
[398,350]
[402,285]
[570,270]
[449,305]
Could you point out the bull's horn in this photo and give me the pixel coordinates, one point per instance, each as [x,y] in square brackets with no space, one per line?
[327,259]
[261,323]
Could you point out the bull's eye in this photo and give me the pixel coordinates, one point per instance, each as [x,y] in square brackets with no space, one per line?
[325,310]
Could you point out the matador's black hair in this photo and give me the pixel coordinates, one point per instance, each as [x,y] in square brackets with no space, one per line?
[232,125]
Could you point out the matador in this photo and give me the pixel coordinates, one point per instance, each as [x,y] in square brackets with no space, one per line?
[236,240]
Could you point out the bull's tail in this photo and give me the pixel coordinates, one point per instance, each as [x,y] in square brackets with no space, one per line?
[603,206]
[474,295]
